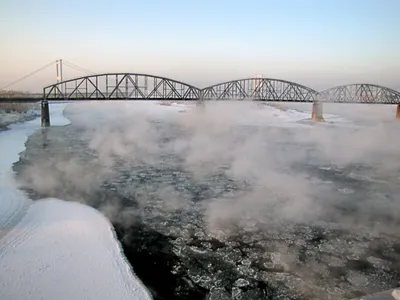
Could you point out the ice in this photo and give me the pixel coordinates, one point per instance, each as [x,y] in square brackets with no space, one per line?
[8,118]
[269,265]
[241,282]
[52,249]
[65,250]
[236,293]
[346,191]
[12,142]
[219,294]
[271,116]
[268,115]
[57,114]
[13,203]
[357,279]
[276,257]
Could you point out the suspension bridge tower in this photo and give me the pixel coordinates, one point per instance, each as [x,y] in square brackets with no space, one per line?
[59,73]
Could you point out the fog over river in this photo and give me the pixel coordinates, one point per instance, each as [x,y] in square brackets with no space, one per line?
[234,200]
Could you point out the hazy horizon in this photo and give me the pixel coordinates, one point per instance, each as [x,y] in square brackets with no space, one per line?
[319,44]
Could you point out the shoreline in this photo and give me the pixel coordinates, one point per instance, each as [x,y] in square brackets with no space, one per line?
[14,113]
[24,118]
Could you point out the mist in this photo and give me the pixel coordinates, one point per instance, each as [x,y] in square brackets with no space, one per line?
[239,173]
[220,137]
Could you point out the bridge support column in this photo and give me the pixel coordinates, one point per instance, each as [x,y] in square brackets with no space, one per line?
[398,112]
[200,102]
[45,113]
[317,112]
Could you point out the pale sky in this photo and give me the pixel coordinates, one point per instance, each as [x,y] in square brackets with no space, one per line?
[318,43]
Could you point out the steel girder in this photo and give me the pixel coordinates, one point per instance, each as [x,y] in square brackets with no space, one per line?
[131,86]
[361,93]
[261,89]
[123,86]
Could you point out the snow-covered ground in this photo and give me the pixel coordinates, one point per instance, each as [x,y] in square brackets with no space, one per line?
[52,249]
[7,118]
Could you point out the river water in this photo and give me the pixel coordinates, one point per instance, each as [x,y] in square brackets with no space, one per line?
[218,203]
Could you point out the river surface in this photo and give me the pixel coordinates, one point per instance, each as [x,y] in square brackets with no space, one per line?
[207,207]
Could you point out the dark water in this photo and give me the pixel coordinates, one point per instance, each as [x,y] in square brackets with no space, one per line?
[349,248]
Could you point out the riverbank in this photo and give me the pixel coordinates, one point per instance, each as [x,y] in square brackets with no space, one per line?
[11,113]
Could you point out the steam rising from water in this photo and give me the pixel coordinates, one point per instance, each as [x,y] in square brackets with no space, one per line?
[205,140]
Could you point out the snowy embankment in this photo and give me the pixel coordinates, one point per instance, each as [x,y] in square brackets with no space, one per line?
[20,114]
[52,249]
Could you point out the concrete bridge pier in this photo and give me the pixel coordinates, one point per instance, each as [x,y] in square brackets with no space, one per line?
[316,115]
[398,112]
[200,103]
[45,113]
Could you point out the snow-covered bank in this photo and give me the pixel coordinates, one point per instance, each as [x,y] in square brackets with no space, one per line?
[12,142]
[65,250]
[51,249]
[25,113]
[13,203]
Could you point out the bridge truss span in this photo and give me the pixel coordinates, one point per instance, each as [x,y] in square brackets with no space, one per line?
[123,86]
[261,89]
[361,93]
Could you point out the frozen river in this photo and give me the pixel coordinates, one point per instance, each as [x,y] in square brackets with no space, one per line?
[230,201]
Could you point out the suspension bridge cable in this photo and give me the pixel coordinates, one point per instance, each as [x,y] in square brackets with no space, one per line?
[26,76]
[78,68]
[71,65]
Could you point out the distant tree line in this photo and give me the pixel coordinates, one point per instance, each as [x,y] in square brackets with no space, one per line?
[12,94]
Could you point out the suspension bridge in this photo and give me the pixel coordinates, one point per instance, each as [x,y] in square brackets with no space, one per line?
[134,86]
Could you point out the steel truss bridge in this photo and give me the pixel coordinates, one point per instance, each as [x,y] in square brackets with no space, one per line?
[131,86]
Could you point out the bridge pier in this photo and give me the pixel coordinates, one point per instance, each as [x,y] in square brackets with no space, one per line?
[201,103]
[398,112]
[316,115]
[45,113]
